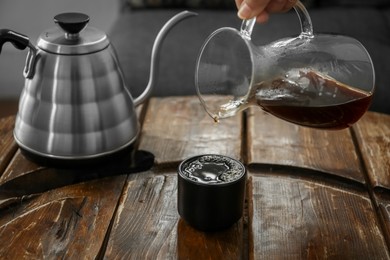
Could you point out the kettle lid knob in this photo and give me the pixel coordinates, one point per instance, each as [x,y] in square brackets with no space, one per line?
[72,36]
[72,23]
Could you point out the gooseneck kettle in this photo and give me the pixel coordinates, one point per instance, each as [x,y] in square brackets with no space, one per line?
[75,104]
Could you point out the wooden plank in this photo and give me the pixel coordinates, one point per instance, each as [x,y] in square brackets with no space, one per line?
[147,225]
[8,146]
[69,222]
[19,166]
[272,141]
[373,136]
[177,127]
[225,244]
[294,218]
[24,177]
[382,200]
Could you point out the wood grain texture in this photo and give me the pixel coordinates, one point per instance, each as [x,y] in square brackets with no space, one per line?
[7,144]
[293,218]
[177,128]
[373,135]
[382,201]
[272,141]
[18,167]
[226,244]
[70,222]
[24,177]
[311,194]
[147,225]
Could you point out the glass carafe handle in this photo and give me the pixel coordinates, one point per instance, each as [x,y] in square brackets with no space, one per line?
[303,15]
[247,28]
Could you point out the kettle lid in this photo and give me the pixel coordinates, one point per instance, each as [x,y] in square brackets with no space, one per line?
[73,36]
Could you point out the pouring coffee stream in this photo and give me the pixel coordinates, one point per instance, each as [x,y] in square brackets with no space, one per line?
[316,80]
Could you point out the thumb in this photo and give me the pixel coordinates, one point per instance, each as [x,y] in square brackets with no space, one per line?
[251,8]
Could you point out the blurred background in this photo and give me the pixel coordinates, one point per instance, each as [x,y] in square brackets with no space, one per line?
[33,17]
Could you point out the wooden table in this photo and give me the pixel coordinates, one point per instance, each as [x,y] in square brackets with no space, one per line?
[311,194]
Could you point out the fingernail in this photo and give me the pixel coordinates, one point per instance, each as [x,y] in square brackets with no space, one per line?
[245,11]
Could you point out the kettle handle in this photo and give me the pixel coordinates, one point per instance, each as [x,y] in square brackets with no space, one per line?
[155,53]
[19,40]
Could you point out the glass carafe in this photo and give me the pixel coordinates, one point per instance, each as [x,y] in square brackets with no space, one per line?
[315,80]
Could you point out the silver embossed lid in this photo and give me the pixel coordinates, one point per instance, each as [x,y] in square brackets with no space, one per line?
[211,169]
[72,36]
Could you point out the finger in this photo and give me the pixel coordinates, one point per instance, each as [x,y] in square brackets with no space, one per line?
[289,4]
[262,17]
[251,8]
[275,6]
[238,3]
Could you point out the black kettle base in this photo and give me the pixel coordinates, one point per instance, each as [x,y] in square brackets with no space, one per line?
[127,158]
[61,173]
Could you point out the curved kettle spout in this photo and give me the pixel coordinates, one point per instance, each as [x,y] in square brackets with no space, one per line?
[156,50]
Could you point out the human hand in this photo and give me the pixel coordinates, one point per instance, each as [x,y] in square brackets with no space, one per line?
[261,9]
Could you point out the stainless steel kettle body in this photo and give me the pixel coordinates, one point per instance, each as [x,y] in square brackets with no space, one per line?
[75,104]
[76,107]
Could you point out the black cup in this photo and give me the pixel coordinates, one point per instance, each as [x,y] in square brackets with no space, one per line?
[211,191]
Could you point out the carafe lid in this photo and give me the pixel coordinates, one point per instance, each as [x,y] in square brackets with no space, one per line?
[72,36]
